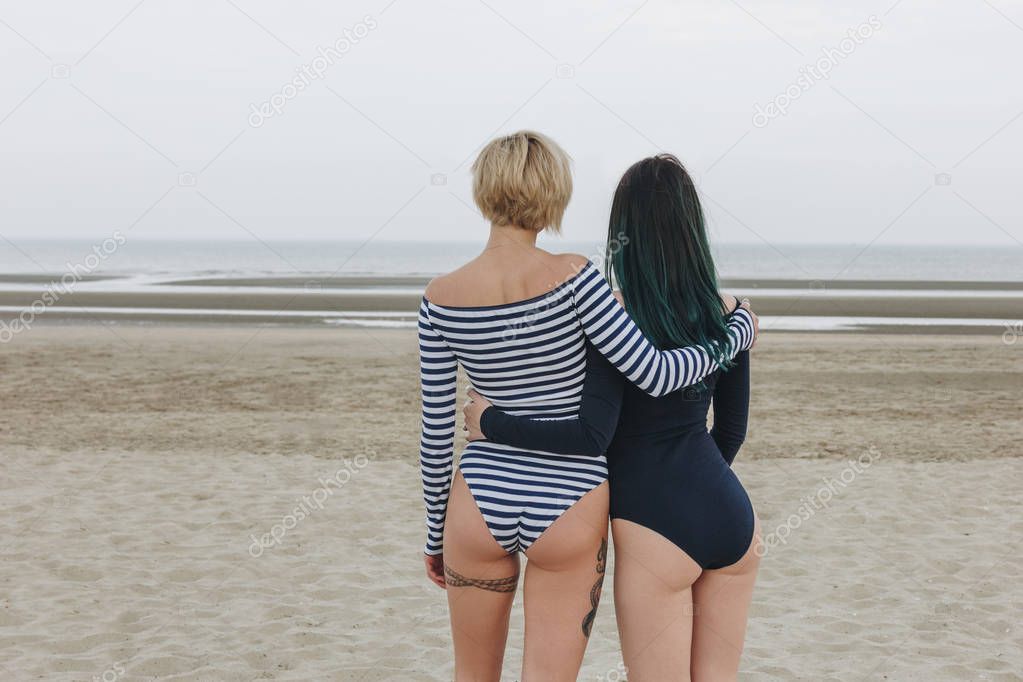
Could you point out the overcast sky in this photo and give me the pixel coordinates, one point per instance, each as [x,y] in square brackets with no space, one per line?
[138,116]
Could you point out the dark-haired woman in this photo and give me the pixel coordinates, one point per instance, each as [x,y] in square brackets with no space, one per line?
[684,529]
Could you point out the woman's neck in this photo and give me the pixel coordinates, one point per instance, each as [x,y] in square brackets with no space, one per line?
[510,235]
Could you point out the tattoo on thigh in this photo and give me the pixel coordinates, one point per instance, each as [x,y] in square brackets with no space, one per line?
[595,590]
[456,579]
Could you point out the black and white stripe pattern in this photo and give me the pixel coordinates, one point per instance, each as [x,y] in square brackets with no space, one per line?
[529,358]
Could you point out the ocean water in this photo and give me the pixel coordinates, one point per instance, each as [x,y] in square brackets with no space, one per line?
[182,259]
[211,268]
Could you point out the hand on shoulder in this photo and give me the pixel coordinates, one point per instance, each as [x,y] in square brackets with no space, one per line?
[728,301]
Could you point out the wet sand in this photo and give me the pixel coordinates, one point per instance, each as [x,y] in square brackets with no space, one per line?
[952,307]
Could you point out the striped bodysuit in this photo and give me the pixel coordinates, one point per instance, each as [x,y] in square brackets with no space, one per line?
[529,359]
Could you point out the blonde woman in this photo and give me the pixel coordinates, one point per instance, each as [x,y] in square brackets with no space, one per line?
[518,320]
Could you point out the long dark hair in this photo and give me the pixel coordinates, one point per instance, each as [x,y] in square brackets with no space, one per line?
[657,250]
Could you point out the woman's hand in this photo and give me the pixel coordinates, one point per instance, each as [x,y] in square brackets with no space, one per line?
[756,320]
[435,569]
[472,410]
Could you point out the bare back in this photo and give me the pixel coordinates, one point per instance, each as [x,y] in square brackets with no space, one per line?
[504,274]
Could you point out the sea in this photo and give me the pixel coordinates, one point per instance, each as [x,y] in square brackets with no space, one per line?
[238,259]
[401,268]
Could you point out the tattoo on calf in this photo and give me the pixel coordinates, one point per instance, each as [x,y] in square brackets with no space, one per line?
[456,579]
[595,590]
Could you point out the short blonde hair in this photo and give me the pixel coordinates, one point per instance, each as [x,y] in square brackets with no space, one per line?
[523,179]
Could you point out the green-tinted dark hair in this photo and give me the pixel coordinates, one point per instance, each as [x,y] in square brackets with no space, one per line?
[657,250]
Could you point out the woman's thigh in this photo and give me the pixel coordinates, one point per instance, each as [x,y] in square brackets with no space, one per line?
[481,580]
[653,602]
[722,598]
[564,576]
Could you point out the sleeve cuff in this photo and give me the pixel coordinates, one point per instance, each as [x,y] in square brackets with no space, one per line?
[486,421]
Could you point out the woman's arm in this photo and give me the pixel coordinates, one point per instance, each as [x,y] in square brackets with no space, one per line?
[588,435]
[438,376]
[731,408]
[616,336]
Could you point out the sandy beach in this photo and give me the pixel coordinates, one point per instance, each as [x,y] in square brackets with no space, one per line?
[218,224]
[143,464]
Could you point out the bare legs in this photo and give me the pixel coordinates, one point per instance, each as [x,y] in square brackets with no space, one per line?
[653,601]
[564,576]
[481,580]
[562,585]
[721,600]
[677,622]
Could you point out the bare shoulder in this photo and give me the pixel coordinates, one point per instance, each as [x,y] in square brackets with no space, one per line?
[572,260]
[570,264]
[450,289]
[434,287]
[444,287]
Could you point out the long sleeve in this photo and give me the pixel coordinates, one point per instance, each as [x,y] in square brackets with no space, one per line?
[616,336]
[438,372]
[731,408]
[588,435]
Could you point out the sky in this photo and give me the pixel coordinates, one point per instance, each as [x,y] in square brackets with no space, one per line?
[894,122]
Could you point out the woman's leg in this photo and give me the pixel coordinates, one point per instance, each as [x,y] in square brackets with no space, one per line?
[722,598]
[564,576]
[653,601]
[481,579]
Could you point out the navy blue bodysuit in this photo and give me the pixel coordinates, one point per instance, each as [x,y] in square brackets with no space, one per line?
[667,472]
